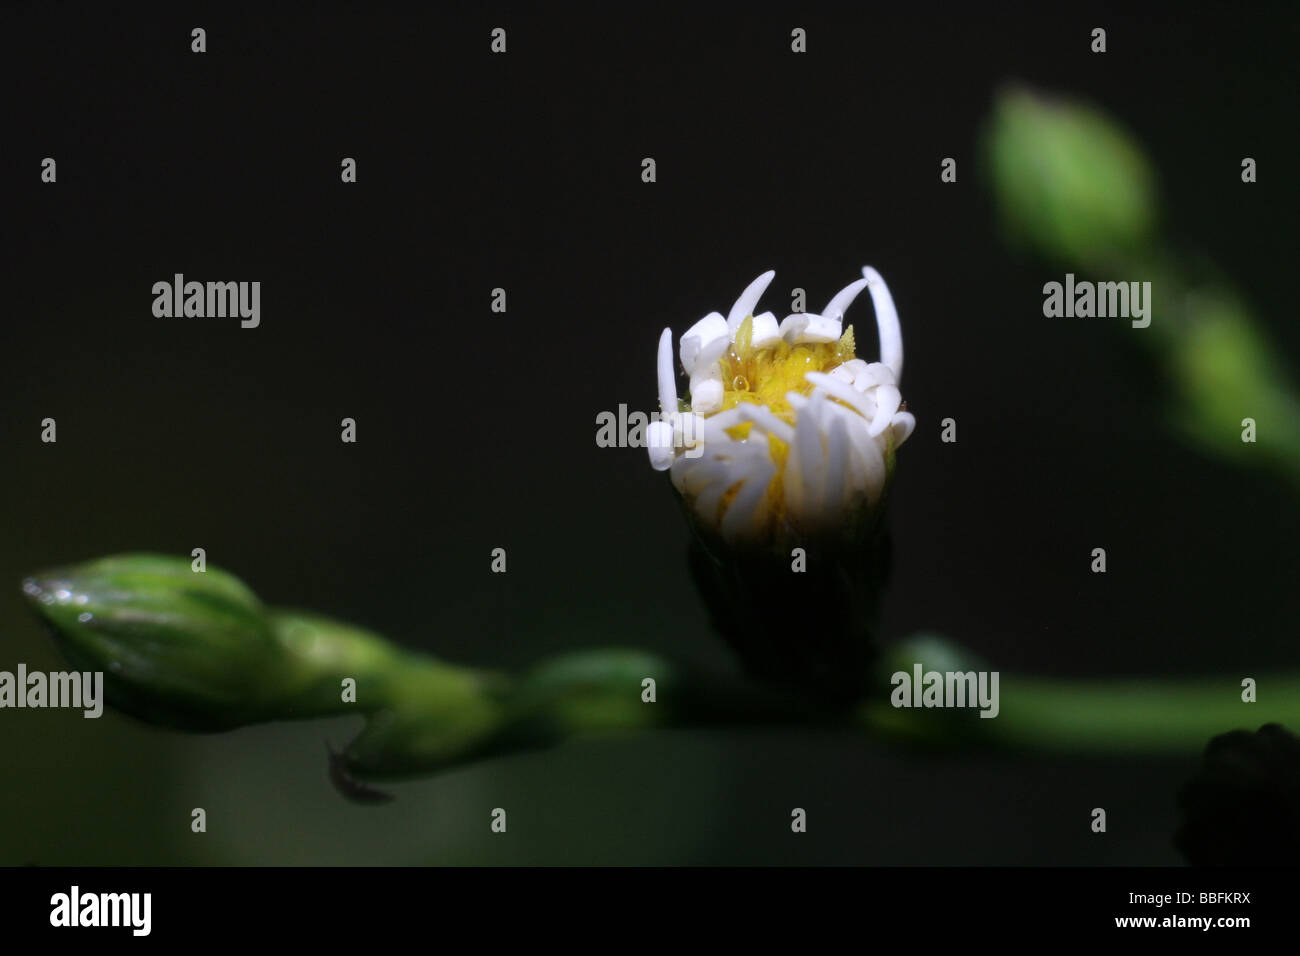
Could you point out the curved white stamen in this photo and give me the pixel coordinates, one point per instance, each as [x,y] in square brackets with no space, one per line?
[836,308]
[704,342]
[667,379]
[891,334]
[744,306]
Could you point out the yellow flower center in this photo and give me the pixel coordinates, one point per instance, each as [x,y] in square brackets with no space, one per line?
[764,377]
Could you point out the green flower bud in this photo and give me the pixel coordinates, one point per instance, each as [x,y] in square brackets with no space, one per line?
[190,650]
[1068,180]
[434,715]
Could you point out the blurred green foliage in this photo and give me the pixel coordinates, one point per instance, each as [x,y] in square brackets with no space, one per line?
[1074,188]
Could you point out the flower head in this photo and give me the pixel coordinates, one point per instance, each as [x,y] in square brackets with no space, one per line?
[786,433]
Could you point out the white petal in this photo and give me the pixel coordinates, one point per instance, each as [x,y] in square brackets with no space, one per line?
[704,342]
[873,460]
[819,330]
[903,424]
[810,456]
[766,333]
[836,308]
[837,452]
[667,378]
[763,418]
[715,426]
[706,503]
[743,517]
[744,306]
[844,392]
[891,334]
[688,432]
[793,325]
[872,375]
[888,398]
[863,452]
[682,466]
[699,474]
[706,390]
[659,440]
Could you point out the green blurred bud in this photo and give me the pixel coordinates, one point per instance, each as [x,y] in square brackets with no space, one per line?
[1237,399]
[604,688]
[190,650]
[933,651]
[323,652]
[434,715]
[1068,180]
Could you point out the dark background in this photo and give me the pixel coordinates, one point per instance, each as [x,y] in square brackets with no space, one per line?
[476,430]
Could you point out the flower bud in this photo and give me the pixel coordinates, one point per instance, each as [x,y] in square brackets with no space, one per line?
[187,649]
[1068,180]
[784,485]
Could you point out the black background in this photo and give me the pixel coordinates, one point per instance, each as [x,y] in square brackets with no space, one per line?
[476,429]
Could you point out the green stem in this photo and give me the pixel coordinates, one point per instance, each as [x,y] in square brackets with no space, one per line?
[197,651]
[1169,716]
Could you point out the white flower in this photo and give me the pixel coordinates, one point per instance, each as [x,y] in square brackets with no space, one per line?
[786,429]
